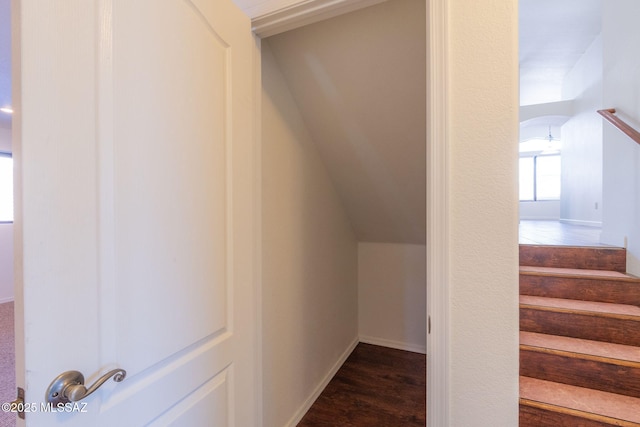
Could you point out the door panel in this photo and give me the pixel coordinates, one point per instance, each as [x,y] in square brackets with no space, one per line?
[209,402]
[171,145]
[136,205]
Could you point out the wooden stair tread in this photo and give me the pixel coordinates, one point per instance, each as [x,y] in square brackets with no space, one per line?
[577,272]
[610,405]
[581,346]
[601,308]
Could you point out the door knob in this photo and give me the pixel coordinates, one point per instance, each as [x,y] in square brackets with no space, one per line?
[69,386]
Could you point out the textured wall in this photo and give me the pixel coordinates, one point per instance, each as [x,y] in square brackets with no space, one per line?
[483,235]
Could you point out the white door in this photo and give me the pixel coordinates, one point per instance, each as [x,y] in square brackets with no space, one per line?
[135,229]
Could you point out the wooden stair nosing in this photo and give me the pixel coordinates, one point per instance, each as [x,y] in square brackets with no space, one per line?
[596,420]
[583,400]
[585,356]
[581,312]
[581,305]
[581,346]
[581,273]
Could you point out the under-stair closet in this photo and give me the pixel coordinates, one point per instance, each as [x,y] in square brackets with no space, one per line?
[343,197]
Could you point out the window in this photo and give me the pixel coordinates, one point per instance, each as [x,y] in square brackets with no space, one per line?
[540,177]
[6,187]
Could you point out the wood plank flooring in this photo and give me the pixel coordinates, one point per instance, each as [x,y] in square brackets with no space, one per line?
[376,386]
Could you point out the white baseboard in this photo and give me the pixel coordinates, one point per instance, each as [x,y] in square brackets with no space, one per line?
[416,348]
[6,299]
[581,222]
[318,390]
[613,239]
[538,218]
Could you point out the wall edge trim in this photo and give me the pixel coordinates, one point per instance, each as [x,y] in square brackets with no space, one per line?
[438,171]
[265,22]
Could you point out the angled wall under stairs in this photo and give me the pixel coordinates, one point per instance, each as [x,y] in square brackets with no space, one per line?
[579,338]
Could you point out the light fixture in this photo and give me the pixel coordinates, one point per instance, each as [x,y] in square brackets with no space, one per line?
[551,148]
[7,110]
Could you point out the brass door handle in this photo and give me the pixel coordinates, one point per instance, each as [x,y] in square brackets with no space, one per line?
[69,386]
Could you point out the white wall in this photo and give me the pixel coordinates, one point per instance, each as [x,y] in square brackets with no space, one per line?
[483,220]
[621,171]
[540,210]
[581,201]
[6,237]
[392,295]
[310,295]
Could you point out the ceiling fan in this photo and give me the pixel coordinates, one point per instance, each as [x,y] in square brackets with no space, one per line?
[552,148]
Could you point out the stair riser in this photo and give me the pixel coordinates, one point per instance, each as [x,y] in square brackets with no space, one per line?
[611,291]
[574,257]
[581,372]
[537,417]
[614,330]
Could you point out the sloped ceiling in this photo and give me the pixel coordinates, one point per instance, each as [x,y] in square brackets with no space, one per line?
[359,81]
[554,34]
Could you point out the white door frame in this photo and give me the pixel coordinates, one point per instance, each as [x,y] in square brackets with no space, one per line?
[438,406]
[299,14]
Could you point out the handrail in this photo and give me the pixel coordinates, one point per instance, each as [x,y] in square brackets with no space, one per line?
[620,124]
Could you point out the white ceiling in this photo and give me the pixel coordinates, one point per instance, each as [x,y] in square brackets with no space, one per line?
[553,36]
[359,81]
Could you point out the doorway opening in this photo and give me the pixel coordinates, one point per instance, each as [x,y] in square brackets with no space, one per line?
[344,209]
[560,145]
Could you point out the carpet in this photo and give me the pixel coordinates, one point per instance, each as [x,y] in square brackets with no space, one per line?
[7,363]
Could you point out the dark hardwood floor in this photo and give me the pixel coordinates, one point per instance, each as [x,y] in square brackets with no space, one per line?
[376,386]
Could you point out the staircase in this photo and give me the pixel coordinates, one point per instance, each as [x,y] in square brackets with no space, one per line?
[579,338]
